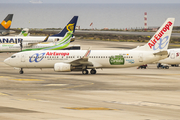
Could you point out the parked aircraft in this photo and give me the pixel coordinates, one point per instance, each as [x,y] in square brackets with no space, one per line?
[5,25]
[24,32]
[37,39]
[62,44]
[81,60]
[173,59]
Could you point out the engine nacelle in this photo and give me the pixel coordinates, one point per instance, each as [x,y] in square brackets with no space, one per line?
[5,33]
[62,67]
[25,44]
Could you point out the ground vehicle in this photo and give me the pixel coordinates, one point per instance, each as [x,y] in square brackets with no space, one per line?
[162,66]
[142,66]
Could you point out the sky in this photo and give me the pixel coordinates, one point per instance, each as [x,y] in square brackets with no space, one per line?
[93,1]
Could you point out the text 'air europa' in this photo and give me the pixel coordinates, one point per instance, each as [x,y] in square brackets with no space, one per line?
[161,33]
[55,53]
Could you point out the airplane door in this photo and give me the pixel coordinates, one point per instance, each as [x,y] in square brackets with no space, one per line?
[141,57]
[23,58]
[172,55]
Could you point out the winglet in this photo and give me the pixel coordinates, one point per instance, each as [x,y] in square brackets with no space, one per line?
[45,40]
[87,53]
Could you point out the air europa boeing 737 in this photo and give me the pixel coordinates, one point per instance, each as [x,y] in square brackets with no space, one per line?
[81,60]
[36,39]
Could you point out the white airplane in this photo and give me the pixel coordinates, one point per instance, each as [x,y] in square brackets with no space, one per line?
[36,39]
[81,60]
[24,32]
[173,59]
[62,44]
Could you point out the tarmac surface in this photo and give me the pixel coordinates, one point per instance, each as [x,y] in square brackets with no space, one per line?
[111,94]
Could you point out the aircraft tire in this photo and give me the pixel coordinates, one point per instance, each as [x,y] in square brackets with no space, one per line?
[167,67]
[21,72]
[93,71]
[85,72]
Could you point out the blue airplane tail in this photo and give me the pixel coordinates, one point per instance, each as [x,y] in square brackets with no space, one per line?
[69,27]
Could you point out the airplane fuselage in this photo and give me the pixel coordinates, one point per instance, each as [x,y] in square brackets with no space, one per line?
[99,58]
[174,57]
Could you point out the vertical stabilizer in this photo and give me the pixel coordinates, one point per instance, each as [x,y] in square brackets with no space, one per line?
[69,27]
[24,32]
[6,23]
[161,38]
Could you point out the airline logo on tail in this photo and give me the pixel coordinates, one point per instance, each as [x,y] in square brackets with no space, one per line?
[157,37]
[24,33]
[163,42]
[70,27]
[5,24]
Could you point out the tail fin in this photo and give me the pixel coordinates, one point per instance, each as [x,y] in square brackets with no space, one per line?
[6,23]
[69,27]
[63,43]
[67,38]
[24,32]
[160,40]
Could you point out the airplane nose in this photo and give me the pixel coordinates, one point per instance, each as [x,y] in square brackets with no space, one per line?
[7,61]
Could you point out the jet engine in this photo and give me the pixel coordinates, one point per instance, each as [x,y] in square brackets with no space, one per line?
[25,44]
[62,67]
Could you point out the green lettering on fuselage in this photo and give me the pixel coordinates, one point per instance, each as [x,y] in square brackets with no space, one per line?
[116,60]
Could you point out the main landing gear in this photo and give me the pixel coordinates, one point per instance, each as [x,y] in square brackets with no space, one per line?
[21,71]
[85,71]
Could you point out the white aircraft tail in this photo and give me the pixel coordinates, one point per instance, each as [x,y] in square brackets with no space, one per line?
[24,32]
[160,40]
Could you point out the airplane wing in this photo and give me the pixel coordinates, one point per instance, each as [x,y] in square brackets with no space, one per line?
[45,40]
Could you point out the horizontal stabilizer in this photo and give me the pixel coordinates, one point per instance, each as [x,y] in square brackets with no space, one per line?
[161,53]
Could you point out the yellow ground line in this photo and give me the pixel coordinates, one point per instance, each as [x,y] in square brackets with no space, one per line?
[89,108]
[3,94]
[4,77]
[27,79]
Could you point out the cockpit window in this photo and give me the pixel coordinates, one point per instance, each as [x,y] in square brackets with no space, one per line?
[13,56]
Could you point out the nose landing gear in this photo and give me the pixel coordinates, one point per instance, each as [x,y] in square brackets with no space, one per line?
[21,71]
